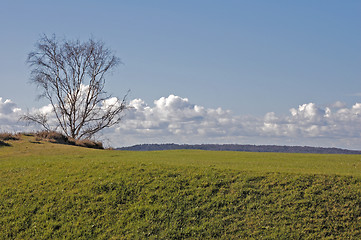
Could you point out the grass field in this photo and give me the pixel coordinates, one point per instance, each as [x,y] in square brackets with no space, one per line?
[54,191]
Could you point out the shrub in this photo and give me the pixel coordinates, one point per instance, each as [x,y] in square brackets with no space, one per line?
[89,144]
[52,136]
[29,134]
[56,137]
[9,136]
[2,143]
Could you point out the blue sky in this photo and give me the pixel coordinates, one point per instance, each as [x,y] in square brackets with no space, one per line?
[249,57]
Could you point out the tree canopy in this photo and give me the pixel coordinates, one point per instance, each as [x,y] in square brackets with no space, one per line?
[72,76]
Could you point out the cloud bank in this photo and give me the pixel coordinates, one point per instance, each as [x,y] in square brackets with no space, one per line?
[174,119]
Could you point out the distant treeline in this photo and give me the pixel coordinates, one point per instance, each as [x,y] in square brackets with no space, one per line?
[241,148]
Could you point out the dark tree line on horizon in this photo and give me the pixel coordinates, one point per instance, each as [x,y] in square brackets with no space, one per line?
[240,148]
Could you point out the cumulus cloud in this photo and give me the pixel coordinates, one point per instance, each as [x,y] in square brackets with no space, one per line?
[9,113]
[177,119]
[7,107]
[338,104]
[337,125]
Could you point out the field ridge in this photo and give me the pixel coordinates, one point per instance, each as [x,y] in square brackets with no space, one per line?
[56,191]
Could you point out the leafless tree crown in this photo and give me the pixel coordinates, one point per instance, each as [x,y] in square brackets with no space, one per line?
[71,75]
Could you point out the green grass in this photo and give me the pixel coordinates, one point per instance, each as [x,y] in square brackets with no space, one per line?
[53,191]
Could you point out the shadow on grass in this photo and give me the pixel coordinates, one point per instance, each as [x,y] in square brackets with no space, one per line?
[4,144]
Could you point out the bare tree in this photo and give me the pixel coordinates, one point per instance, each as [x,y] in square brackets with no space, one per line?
[71,75]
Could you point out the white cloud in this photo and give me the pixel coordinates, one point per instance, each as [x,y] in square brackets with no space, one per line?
[338,104]
[176,119]
[338,123]
[9,114]
[48,109]
[7,107]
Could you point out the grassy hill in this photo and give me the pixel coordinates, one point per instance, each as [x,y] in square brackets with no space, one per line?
[55,191]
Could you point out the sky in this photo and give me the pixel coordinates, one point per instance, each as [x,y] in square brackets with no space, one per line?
[247,72]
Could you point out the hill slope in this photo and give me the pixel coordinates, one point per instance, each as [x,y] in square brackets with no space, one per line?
[54,191]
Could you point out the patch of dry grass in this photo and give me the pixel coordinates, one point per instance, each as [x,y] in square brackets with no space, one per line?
[5,136]
[56,137]
[89,144]
[49,136]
